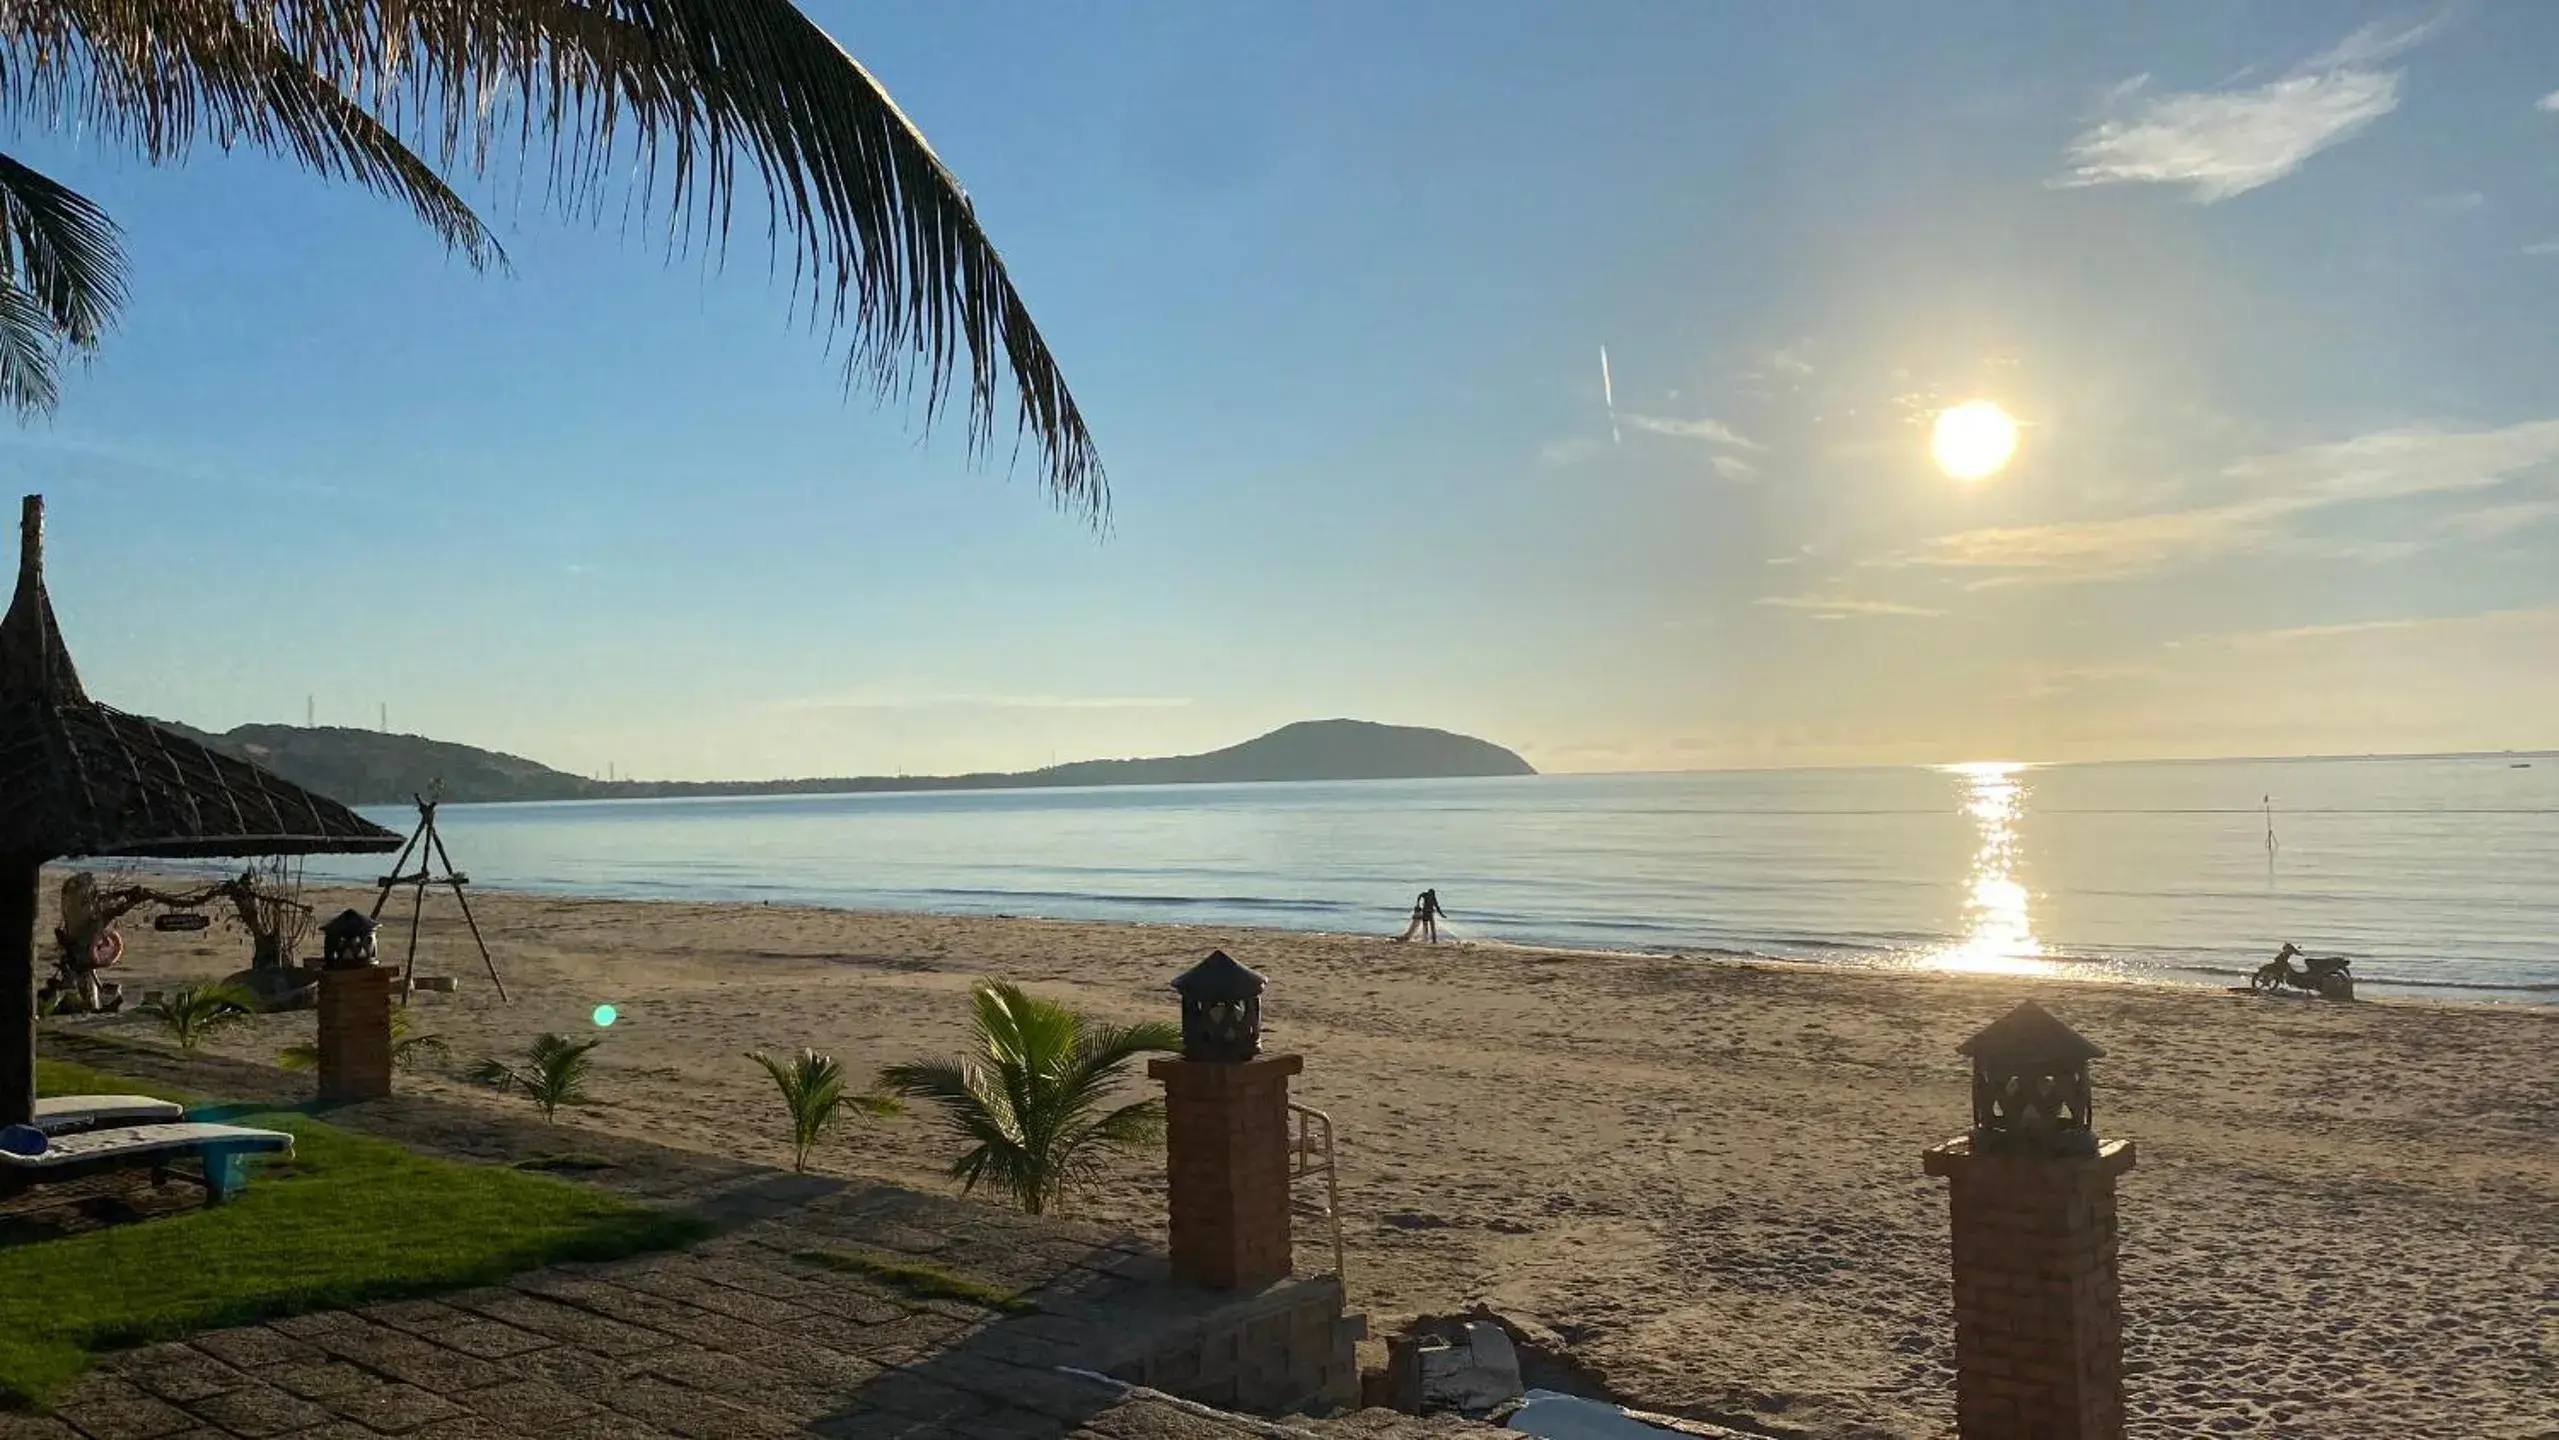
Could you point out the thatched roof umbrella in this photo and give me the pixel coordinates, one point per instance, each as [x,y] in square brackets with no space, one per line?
[79,779]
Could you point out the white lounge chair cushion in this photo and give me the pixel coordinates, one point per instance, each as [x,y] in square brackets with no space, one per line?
[71,1112]
[141,1141]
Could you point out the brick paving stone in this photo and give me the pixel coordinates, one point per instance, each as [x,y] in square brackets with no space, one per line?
[913,1338]
[178,1373]
[254,1346]
[395,1409]
[34,1427]
[471,1427]
[667,1318]
[580,1372]
[1011,1425]
[835,1332]
[334,1430]
[320,1379]
[694,1290]
[319,1323]
[604,1425]
[531,1404]
[1016,1346]
[756,1275]
[814,1366]
[1020,1387]
[837,1294]
[418,1317]
[903,1392]
[489,1339]
[124,1417]
[694,1414]
[744,1383]
[570,1324]
[258,1410]
[406,1357]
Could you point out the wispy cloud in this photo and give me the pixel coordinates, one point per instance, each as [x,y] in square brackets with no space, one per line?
[1841,607]
[2495,522]
[2548,104]
[931,701]
[1732,467]
[2223,143]
[1713,432]
[2268,494]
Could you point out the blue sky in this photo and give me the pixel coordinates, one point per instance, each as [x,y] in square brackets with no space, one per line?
[2272,290]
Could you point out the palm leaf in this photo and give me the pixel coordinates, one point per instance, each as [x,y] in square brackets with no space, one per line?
[63,261]
[191,1013]
[164,77]
[1027,1101]
[883,242]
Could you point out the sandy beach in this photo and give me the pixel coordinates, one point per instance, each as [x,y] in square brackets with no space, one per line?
[1705,1176]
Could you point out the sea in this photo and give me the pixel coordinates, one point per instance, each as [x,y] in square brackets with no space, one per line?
[2437,876]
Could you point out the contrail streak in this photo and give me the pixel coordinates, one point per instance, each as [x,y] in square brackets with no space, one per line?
[1608,397]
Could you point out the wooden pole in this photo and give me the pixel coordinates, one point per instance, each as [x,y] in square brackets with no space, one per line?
[397,866]
[19,879]
[453,878]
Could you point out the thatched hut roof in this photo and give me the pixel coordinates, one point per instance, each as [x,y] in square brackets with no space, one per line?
[78,778]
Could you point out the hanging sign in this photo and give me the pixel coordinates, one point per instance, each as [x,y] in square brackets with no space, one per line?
[181,920]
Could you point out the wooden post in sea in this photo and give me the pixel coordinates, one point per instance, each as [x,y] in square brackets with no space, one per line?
[2039,1337]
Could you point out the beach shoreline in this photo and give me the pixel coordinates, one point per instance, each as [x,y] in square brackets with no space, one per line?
[1702,1172]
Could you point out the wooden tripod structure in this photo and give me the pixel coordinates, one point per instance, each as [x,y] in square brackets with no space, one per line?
[429,848]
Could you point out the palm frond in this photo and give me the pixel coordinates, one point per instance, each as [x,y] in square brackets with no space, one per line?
[163,78]
[30,351]
[1028,1099]
[56,244]
[190,1013]
[708,96]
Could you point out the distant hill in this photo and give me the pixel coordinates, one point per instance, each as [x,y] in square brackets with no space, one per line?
[369,767]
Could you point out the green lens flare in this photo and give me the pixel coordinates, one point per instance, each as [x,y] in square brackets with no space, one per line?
[606,1014]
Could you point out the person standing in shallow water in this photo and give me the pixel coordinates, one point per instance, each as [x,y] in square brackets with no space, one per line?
[1426,915]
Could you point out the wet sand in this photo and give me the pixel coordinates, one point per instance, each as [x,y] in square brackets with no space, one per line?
[1705,1176]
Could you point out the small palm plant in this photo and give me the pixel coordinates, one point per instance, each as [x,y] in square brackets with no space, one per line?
[408,1045]
[553,1073]
[190,1013]
[812,1086]
[1029,1096]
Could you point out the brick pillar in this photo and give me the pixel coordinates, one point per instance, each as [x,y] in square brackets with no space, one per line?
[355,1032]
[1226,1145]
[2039,1334]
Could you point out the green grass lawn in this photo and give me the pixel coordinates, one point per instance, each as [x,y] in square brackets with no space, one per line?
[348,1219]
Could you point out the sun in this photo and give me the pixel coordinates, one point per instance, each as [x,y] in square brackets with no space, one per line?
[1973,440]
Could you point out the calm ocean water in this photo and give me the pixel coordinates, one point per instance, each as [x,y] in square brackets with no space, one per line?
[2437,875]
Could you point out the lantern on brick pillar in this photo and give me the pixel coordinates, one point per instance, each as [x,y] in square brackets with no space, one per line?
[2030,1086]
[1221,1011]
[346,943]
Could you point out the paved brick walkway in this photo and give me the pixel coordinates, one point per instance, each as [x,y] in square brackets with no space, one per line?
[738,1337]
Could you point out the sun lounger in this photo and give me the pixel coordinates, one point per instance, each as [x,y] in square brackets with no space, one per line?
[65,1114]
[222,1150]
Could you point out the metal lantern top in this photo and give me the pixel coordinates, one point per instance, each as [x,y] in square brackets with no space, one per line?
[2030,1085]
[346,942]
[1221,1010]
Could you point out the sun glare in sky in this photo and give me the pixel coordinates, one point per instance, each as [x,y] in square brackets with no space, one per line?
[1973,440]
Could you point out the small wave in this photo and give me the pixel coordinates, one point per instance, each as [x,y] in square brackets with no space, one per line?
[1174,902]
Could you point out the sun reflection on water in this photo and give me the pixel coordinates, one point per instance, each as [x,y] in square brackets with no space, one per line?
[1999,932]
